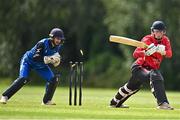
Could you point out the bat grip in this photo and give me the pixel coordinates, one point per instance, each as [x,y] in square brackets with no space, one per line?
[145,45]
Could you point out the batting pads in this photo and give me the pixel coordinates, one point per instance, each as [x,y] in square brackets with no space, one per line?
[123,94]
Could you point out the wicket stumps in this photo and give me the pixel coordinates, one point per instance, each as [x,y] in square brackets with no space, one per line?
[76,78]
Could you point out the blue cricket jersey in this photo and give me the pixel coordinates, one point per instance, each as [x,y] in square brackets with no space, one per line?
[47,50]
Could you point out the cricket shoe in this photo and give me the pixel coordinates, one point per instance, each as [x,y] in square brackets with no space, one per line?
[48,103]
[4,99]
[114,104]
[165,106]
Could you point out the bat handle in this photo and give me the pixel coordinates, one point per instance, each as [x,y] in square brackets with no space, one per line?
[145,45]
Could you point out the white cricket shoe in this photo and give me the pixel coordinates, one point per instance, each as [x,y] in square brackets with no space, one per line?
[4,99]
[165,106]
[48,103]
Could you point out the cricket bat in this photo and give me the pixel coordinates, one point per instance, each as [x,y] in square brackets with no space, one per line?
[127,41]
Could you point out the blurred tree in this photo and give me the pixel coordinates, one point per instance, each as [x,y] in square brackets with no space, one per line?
[86,25]
[26,22]
[134,18]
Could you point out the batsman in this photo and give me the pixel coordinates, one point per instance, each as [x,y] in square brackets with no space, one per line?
[45,52]
[146,68]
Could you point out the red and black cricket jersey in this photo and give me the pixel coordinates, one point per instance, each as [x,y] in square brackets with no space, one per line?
[153,61]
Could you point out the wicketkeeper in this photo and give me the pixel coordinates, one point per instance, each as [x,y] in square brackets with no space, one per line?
[146,68]
[45,52]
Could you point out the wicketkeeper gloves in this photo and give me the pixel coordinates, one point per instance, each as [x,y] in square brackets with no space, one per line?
[55,59]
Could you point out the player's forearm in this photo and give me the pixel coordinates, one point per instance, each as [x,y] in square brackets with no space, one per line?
[138,53]
[168,54]
[38,57]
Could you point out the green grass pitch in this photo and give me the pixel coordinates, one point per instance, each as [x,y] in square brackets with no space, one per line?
[26,104]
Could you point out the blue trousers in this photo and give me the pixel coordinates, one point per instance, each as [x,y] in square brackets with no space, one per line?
[42,69]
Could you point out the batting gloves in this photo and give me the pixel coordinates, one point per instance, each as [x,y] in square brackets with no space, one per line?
[151,49]
[161,49]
